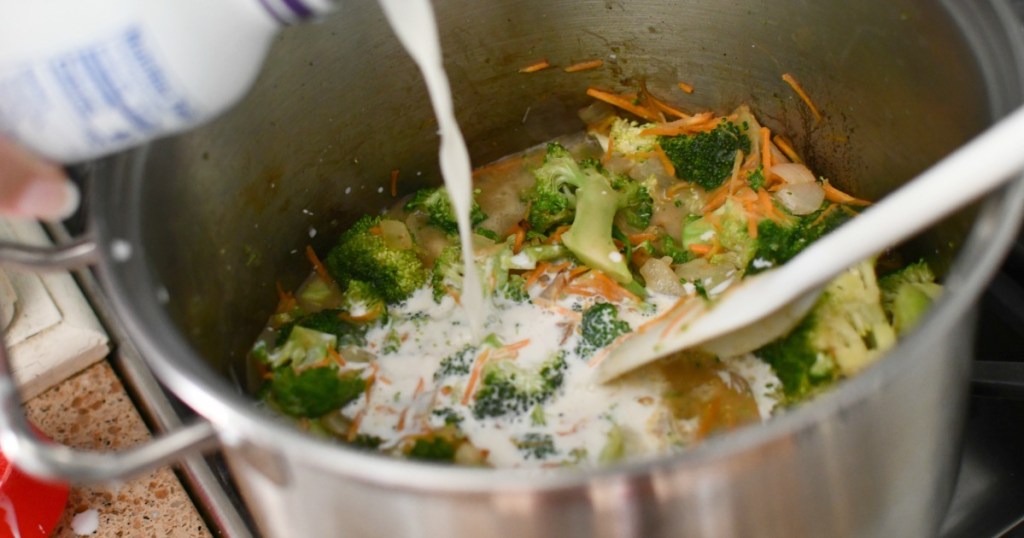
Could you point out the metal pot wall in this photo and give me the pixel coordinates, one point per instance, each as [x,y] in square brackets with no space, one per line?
[200,227]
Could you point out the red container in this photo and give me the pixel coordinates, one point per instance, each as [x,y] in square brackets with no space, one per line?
[34,506]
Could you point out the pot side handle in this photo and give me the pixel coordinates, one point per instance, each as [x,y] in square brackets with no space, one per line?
[56,462]
[71,255]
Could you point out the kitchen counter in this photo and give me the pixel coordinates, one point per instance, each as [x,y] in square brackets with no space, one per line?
[92,411]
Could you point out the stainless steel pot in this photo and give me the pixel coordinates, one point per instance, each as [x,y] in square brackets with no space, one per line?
[197,229]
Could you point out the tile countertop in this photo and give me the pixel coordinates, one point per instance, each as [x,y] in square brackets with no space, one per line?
[92,411]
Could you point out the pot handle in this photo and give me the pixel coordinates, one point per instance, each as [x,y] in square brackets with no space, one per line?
[56,462]
[71,255]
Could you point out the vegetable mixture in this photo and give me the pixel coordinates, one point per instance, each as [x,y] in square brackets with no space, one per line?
[578,244]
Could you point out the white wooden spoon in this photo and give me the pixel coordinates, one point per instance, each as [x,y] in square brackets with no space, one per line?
[763,307]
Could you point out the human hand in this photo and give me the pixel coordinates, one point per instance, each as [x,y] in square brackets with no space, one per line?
[33,188]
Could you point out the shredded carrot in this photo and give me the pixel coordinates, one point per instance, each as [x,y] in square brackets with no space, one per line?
[685,87]
[803,94]
[376,230]
[514,346]
[698,122]
[766,151]
[751,227]
[636,239]
[538,272]
[335,356]
[577,271]
[353,429]
[366,316]
[700,249]
[394,183]
[833,194]
[556,236]
[768,206]
[474,376]
[536,66]
[608,151]
[660,105]
[613,288]
[401,419]
[623,103]
[455,295]
[318,266]
[679,187]
[823,214]
[786,148]
[370,380]
[670,168]
[519,231]
[584,66]
[285,300]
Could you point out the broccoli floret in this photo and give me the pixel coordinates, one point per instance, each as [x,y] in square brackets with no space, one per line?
[328,322]
[596,203]
[779,242]
[448,272]
[434,201]
[538,446]
[551,199]
[363,254]
[432,448]
[313,392]
[845,331]
[364,303]
[674,250]
[907,294]
[450,416]
[508,389]
[706,158]
[515,289]
[637,206]
[447,276]
[369,442]
[729,232]
[600,326]
[627,137]
[756,179]
[458,363]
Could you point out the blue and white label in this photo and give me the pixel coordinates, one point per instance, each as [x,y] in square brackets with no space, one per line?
[92,100]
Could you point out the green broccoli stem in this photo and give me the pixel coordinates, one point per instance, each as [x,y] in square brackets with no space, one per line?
[590,236]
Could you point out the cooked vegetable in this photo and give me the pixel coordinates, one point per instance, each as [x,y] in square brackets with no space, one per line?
[434,201]
[313,392]
[907,294]
[778,242]
[595,239]
[363,254]
[706,158]
[600,326]
[508,389]
[845,331]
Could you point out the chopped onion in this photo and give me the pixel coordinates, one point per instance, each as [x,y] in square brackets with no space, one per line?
[802,198]
[660,277]
[793,173]
[619,164]
[395,234]
[652,167]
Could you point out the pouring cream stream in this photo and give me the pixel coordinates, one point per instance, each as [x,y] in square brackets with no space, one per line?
[414,23]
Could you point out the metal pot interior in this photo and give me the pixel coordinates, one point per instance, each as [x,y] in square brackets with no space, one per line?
[222,214]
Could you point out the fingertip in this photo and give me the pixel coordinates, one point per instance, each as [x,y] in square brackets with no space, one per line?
[48,199]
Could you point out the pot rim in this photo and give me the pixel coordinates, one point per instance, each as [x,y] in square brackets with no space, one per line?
[133,294]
